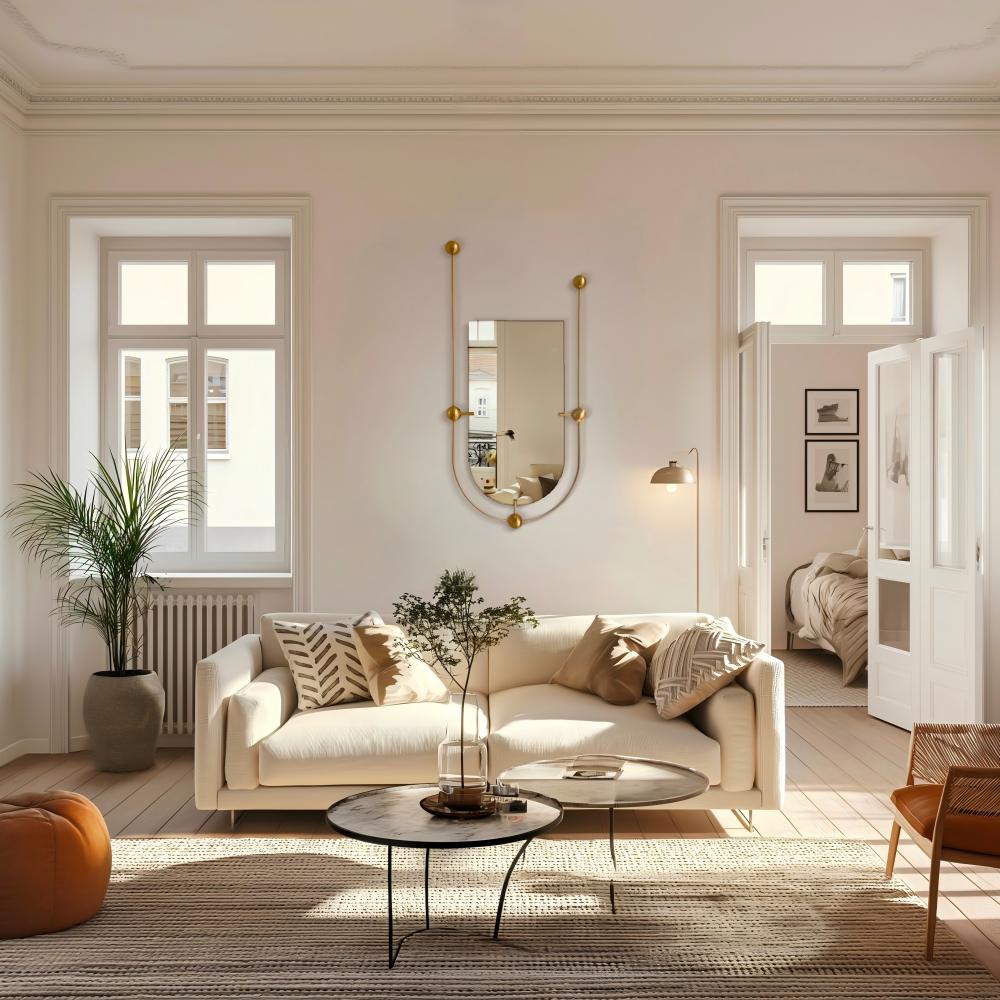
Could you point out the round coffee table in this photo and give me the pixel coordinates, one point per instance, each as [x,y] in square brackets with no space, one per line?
[642,782]
[394,817]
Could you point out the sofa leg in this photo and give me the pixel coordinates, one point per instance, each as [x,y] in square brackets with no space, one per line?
[745,818]
[232,819]
[790,644]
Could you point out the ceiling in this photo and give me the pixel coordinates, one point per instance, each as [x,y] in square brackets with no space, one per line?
[82,50]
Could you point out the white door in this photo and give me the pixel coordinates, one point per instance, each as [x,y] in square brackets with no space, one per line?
[753,579]
[950,553]
[893,468]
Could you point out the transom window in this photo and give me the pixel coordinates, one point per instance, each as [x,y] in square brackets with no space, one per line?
[197,355]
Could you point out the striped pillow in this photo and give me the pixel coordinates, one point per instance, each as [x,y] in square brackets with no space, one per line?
[703,659]
[324,662]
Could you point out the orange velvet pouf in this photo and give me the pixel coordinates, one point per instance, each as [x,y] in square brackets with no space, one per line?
[55,862]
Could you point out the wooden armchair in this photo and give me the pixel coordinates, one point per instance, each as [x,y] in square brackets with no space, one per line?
[950,804]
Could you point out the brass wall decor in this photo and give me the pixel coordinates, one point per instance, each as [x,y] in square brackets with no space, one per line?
[494,473]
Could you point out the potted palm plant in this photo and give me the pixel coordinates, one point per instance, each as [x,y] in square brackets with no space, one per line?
[98,542]
[451,630]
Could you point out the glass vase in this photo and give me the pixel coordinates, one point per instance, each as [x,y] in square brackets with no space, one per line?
[462,754]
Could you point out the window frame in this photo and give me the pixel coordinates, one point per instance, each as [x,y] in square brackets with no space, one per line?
[197,341]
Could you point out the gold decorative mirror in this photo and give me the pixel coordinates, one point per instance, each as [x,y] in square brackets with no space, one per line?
[515,439]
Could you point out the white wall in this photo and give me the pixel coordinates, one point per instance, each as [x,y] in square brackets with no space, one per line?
[637,213]
[15,670]
[796,536]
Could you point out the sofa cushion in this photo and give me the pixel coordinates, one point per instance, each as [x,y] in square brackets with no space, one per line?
[395,676]
[539,721]
[357,743]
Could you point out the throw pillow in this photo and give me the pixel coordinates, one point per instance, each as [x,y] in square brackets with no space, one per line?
[395,677]
[702,659]
[324,661]
[611,660]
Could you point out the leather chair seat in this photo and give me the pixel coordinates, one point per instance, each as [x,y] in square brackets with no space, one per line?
[918,804]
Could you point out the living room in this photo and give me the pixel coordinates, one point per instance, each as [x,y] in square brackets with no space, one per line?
[390,307]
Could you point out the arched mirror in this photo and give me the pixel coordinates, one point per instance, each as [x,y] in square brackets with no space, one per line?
[516,411]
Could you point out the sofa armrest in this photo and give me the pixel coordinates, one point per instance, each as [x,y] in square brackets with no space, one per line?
[216,679]
[765,680]
[729,718]
[258,709]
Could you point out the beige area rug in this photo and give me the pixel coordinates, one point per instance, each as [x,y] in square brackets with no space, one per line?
[814,678]
[305,917]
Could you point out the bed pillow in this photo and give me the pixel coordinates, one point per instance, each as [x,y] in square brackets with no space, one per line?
[324,662]
[611,660]
[700,661]
[394,676]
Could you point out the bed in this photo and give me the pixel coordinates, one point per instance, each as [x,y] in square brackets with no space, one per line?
[826,603]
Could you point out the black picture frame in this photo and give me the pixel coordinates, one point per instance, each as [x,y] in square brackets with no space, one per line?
[853,495]
[853,396]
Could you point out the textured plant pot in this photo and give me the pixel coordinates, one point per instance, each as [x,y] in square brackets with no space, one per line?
[123,714]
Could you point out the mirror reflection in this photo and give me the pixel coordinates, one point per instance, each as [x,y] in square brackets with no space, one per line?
[516,395]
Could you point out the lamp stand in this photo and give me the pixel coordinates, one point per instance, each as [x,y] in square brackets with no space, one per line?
[697,528]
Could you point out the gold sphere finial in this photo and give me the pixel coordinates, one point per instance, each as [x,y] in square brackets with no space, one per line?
[453,413]
[452,247]
[515,520]
[580,281]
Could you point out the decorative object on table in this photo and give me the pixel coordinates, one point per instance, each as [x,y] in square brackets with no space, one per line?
[700,661]
[398,816]
[636,781]
[451,630]
[55,862]
[831,476]
[324,661]
[395,675]
[542,428]
[673,476]
[105,535]
[831,412]
[611,660]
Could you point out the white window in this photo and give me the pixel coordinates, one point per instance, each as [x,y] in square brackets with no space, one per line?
[808,293]
[482,406]
[197,344]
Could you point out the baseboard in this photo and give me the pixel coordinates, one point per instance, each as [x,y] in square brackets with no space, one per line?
[166,740]
[77,743]
[21,747]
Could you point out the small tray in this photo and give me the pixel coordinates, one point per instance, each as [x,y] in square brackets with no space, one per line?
[434,805]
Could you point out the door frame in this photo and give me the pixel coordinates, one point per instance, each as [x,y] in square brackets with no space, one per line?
[734,209]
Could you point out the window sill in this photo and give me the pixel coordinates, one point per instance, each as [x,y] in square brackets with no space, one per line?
[214,581]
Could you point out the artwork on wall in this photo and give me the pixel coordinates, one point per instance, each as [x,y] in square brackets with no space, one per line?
[831,412]
[831,478]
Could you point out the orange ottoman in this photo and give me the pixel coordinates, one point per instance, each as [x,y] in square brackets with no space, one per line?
[55,862]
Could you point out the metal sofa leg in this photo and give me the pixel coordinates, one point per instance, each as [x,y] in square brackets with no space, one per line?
[745,818]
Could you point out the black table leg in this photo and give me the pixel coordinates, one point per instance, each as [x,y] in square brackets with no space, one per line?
[614,859]
[506,882]
[427,896]
[392,955]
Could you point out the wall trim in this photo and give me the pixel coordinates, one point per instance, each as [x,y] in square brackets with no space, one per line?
[62,210]
[733,208]
[19,748]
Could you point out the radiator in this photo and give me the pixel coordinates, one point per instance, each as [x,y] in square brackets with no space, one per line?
[178,630]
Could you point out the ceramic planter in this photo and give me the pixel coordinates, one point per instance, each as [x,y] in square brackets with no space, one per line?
[123,714]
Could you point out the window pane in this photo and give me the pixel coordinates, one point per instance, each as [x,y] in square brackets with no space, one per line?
[949,433]
[876,293]
[150,419]
[894,457]
[240,293]
[179,379]
[215,371]
[788,293]
[240,480]
[894,614]
[153,293]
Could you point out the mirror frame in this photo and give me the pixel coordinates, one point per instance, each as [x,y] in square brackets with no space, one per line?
[456,413]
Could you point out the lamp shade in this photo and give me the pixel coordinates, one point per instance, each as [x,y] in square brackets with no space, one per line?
[672,474]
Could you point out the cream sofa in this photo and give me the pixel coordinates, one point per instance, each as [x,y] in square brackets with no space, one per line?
[255,750]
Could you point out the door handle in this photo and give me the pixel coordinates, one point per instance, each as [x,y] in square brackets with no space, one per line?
[509,434]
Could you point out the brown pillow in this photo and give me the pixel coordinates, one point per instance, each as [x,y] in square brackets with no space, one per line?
[611,660]
[394,677]
[702,659]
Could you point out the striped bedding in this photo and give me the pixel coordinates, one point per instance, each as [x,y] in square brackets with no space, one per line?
[836,609]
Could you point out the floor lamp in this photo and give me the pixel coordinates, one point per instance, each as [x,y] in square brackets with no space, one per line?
[673,475]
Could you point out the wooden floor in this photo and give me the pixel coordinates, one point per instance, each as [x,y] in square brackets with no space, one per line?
[841,767]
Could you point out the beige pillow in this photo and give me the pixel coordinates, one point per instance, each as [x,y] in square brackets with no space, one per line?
[394,677]
[700,661]
[611,660]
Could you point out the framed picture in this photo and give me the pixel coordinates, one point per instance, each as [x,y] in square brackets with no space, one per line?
[831,412]
[832,476]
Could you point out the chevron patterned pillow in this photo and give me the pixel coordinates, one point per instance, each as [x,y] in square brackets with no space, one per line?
[324,662]
[703,659]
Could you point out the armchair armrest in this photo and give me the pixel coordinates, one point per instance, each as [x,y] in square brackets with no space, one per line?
[258,709]
[217,678]
[765,680]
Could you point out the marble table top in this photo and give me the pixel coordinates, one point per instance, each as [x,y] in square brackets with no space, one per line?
[641,782]
[394,816]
